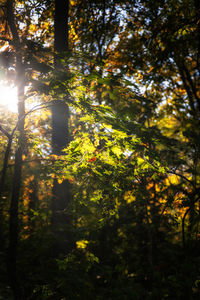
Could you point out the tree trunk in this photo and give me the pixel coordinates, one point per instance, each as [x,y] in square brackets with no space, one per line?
[13,221]
[60,111]
[5,165]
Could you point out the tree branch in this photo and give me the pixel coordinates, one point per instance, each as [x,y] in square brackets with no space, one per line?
[5,132]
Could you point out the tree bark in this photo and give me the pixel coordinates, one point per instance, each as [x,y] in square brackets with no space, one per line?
[60,111]
[14,205]
[61,17]
[5,165]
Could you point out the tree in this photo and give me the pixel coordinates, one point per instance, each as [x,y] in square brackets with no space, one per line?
[60,110]
[127,74]
[13,223]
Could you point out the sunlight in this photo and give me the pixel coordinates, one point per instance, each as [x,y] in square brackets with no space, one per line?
[8,97]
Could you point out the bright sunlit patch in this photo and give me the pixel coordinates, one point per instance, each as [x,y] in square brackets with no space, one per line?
[8,97]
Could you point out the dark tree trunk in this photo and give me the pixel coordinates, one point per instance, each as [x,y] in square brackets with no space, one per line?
[5,165]
[61,25]
[60,111]
[13,221]
[60,133]
[2,187]
[13,227]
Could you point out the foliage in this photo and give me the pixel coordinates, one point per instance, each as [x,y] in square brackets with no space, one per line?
[131,81]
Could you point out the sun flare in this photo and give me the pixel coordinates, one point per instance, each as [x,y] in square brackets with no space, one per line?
[8,97]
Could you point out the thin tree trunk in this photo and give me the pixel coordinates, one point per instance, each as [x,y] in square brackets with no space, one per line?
[13,221]
[5,165]
[2,187]
[6,157]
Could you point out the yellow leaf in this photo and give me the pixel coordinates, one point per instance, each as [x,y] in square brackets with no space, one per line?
[140,161]
[117,151]
[129,197]
[82,244]
[174,179]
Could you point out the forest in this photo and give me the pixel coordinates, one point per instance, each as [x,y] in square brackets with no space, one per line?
[100,158]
